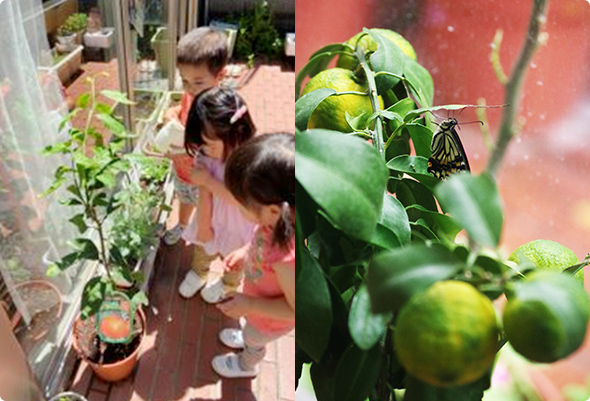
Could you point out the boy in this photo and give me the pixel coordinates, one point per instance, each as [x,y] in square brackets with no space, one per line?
[201,59]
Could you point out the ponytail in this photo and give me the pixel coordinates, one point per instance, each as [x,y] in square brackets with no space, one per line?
[285,228]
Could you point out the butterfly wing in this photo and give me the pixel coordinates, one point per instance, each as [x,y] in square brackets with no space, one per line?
[448,155]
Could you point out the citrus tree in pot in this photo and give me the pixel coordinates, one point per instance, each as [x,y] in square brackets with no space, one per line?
[97,179]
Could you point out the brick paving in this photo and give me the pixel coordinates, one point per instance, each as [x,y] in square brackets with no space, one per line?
[181,338]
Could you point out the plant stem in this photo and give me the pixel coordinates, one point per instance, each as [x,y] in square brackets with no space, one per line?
[514,85]
[378,132]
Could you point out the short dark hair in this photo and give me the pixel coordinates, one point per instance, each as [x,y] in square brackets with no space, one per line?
[262,172]
[203,45]
[212,114]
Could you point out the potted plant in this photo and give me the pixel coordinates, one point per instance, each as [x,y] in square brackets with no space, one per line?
[68,396]
[390,298]
[99,177]
[69,34]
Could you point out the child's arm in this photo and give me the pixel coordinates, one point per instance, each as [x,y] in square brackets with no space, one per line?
[201,177]
[282,308]
[205,214]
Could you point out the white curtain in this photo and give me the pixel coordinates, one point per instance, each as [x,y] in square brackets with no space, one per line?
[31,228]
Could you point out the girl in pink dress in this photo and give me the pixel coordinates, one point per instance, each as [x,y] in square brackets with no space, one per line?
[218,122]
[261,176]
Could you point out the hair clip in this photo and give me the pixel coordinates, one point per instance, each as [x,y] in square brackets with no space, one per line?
[238,114]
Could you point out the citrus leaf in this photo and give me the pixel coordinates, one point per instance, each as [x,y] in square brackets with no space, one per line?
[421,80]
[388,57]
[345,176]
[421,138]
[306,104]
[318,62]
[394,276]
[414,166]
[366,328]
[417,390]
[412,115]
[474,203]
[395,218]
[356,373]
[438,221]
[314,307]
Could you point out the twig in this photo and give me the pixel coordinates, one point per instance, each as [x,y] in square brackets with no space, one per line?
[483,117]
[495,57]
[514,84]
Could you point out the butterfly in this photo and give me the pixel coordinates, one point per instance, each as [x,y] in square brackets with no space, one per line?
[448,155]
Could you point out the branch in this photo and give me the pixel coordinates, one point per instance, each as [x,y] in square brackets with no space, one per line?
[514,84]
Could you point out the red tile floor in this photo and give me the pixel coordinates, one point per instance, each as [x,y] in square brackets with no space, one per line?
[181,337]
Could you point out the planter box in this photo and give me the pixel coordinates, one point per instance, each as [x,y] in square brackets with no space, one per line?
[67,66]
[102,39]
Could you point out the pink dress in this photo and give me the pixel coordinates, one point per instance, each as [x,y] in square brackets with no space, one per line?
[261,280]
[231,230]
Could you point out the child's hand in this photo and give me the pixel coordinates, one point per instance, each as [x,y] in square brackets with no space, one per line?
[237,258]
[200,176]
[172,113]
[236,306]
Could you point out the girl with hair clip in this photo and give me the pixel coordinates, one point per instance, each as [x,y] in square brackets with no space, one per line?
[261,176]
[218,122]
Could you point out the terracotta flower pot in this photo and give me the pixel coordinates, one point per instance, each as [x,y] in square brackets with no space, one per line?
[116,371]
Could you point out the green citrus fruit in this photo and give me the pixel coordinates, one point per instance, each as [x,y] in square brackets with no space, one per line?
[447,335]
[331,113]
[367,43]
[547,256]
[546,317]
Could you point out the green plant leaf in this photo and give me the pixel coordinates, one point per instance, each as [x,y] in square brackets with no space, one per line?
[356,373]
[411,192]
[345,176]
[419,391]
[86,248]
[421,80]
[411,116]
[395,219]
[80,223]
[139,298]
[92,296]
[306,104]
[394,276]
[117,96]
[313,312]
[318,62]
[83,100]
[421,138]
[67,260]
[388,57]
[366,327]
[414,166]
[112,124]
[474,203]
[438,222]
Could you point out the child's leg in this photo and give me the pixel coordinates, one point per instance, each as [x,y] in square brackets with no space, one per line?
[245,363]
[196,278]
[187,196]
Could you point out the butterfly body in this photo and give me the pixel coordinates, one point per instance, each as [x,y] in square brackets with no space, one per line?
[448,155]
